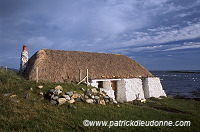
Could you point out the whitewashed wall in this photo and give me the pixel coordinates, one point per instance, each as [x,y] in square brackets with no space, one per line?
[106,87]
[130,89]
[152,87]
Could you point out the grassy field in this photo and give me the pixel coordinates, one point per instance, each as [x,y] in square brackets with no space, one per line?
[35,113]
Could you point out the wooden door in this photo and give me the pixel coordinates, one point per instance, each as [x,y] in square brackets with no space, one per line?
[114,87]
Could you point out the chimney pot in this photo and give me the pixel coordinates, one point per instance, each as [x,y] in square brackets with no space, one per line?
[24,48]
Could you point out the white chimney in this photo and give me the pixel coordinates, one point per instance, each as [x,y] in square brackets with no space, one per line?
[24,58]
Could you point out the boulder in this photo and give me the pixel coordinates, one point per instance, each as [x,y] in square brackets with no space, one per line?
[114,101]
[71,101]
[75,95]
[102,102]
[59,88]
[26,96]
[53,102]
[69,93]
[89,101]
[94,90]
[79,99]
[52,90]
[66,96]
[83,89]
[96,97]
[61,101]
[40,86]
[15,100]
[55,98]
[88,92]
[70,106]
[6,94]
[57,92]
[86,97]
[41,93]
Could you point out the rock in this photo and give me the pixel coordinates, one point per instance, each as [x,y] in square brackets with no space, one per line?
[106,97]
[55,98]
[88,92]
[6,94]
[83,89]
[61,101]
[57,92]
[53,102]
[75,96]
[86,97]
[40,86]
[111,100]
[13,96]
[92,97]
[70,106]
[143,100]
[52,90]
[52,96]
[26,96]
[66,96]
[96,97]
[59,88]
[94,90]
[94,101]
[100,91]
[41,93]
[15,100]
[102,102]
[114,101]
[71,101]
[107,100]
[78,99]
[69,93]
[89,101]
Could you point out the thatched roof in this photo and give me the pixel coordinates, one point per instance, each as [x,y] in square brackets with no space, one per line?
[65,66]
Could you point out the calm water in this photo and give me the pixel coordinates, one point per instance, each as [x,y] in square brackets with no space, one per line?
[180,84]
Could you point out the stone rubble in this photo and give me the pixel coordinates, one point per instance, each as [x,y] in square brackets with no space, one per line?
[90,96]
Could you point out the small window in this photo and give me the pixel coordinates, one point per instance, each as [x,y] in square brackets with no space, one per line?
[100,84]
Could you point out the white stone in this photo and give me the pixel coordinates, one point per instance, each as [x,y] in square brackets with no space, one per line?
[90,101]
[59,87]
[40,86]
[71,101]
[61,101]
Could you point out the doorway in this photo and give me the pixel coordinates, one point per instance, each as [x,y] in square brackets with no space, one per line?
[114,87]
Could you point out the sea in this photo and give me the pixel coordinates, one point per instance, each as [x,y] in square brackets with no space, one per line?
[180,84]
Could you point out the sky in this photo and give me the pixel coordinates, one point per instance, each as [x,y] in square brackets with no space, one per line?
[158,34]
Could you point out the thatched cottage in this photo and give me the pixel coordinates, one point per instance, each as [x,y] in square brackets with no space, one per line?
[121,77]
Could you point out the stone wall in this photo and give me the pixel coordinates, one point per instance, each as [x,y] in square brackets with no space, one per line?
[132,88]
[152,87]
[129,89]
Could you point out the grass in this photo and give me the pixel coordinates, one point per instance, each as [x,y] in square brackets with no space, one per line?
[36,113]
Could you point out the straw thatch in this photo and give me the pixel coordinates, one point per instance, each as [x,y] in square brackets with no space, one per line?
[65,66]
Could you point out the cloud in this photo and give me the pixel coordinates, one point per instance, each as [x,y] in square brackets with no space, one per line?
[40,41]
[161,35]
[188,45]
[97,26]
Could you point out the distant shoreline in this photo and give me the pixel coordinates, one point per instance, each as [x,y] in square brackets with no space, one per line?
[188,71]
[198,72]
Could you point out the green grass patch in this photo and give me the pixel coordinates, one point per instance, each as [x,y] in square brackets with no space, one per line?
[37,114]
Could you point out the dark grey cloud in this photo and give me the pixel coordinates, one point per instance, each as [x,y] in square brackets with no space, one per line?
[98,26]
